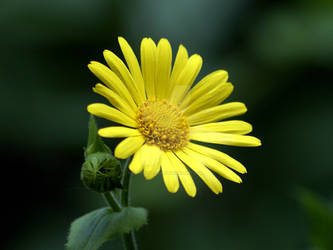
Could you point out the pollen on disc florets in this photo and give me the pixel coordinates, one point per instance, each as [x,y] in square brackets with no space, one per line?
[163,124]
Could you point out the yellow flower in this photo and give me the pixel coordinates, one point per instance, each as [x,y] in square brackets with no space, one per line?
[162,117]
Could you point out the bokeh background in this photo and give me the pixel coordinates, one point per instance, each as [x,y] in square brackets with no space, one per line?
[279,55]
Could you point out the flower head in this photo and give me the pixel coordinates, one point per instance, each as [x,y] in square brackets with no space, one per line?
[162,117]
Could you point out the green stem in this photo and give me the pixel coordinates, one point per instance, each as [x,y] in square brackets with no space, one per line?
[126,184]
[130,241]
[129,238]
[112,201]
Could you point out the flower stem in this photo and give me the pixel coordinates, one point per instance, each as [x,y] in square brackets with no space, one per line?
[112,201]
[130,241]
[129,238]
[126,184]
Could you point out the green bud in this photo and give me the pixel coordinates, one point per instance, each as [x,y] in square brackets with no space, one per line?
[101,172]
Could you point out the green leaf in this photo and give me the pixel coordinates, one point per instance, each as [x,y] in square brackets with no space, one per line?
[320,216]
[95,143]
[90,231]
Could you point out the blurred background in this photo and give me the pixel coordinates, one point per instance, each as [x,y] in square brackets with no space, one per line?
[279,55]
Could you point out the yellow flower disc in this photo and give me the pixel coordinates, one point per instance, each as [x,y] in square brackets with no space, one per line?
[163,124]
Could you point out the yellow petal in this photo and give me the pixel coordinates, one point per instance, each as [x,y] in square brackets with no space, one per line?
[151,160]
[206,84]
[178,67]
[120,69]
[112,81]
[169,174]
[219,156]
[183,174]
[226,139]
[128,146]
[214,165]
[148,65]
[211,181]
[211,98]
[232,127]
[185,79]
[114,99]
[136,164]
[114,132]
[112,114]
[132,63]
[217,113]
[163,68]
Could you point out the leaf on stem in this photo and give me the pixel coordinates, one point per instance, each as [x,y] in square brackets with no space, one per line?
[90,231]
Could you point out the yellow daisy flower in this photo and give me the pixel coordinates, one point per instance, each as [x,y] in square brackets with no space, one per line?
[162,117]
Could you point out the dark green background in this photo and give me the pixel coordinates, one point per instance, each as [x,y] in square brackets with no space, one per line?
[279,56]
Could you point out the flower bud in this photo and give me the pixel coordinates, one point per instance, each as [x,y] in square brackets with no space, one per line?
[101,172]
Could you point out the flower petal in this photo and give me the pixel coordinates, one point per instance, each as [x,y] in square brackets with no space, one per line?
[170,176]
[178,67]
[185,79]
[114,132]
[211,181]
[206,84]
[128,146]
[214,165]
[183,174]
[151,160]
[112,81]
[120,69]
[211,98]
[163,68]
[232,127]
[148,65]
[114,99]
[219,156]
[132,63]
[217,113]
[226,139]
[136,164]
[112,114]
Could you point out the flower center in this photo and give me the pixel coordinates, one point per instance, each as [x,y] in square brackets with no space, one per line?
[163,124]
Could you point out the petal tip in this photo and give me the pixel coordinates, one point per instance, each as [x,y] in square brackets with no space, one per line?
[106,52]
[122,41]
[101,132]
[223,74]
[164,40]
[119,154]
[257,142]
[134,170]
[196,57]
[192,194]
[173,189]
[144,40]
[148,176]
[90,108]
[182,49]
